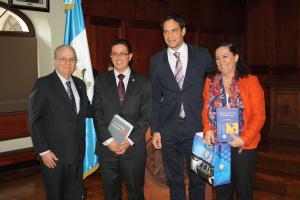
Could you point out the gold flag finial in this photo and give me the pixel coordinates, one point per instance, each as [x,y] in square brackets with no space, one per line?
[69,6]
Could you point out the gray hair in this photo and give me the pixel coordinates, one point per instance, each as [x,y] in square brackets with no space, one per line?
[64,46]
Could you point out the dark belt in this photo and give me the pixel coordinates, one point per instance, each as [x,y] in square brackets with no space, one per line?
[181,119]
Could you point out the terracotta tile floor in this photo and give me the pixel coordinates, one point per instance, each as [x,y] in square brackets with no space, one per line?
[26,184]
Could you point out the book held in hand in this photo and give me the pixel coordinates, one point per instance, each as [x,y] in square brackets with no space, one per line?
[227,123]
[119,128]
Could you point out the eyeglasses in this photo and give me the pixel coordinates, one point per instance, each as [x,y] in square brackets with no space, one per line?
[65,60]
[121,54]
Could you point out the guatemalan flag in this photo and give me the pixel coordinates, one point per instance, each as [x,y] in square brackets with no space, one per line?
[75,35]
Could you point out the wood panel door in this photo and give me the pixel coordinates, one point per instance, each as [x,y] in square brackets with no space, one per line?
[101,32]
[146,39]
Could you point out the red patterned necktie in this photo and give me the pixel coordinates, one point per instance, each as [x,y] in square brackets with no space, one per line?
[121,88]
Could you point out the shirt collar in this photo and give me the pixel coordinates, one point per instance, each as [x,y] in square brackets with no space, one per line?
[126,72]
[182,50]
[62,79]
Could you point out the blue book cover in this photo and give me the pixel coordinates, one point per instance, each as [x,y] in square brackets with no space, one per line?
[212,163]
[202,159]
[227,123]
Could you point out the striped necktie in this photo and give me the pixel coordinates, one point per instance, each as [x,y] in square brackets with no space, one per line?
[179,76]
[71,95]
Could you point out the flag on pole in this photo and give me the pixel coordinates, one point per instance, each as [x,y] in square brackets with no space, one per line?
[75,35]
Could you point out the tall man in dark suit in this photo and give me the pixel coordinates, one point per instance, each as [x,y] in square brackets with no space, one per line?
[177,75]
[128,94]
[57,110]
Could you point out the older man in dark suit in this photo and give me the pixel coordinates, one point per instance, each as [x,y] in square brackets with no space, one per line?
[128,94]
[57,111]
[177,75]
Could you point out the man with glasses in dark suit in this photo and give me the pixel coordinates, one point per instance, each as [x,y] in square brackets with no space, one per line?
[57,111]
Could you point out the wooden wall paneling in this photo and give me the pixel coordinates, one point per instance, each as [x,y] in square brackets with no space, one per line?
[286,32]
[195,12]
[285,72]
[232,14]
[109,8]
[191,35]
[260,33]
[150,10]
[17,156]
[284,110]
[146,39]
[298,41]
[102,32]
[13,126]
[210,41]
[262,71]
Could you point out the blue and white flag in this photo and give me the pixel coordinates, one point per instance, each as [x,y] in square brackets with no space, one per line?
[75,35]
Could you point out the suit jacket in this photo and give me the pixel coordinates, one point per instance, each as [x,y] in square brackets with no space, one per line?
[53,124]
[167,96]
[136,110]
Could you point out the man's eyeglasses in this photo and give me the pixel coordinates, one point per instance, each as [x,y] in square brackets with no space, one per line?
[121,54]
[64,60]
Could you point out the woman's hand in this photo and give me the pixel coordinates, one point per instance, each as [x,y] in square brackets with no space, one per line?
[209,138]
[237,141]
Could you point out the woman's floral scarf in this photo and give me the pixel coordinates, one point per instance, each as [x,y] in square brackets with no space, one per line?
[217,99]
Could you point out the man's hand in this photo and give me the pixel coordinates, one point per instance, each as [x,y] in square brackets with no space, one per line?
[156,140]
[114,147]
[49,159]
[124,146]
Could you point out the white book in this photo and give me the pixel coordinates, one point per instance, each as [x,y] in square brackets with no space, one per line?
[119,128]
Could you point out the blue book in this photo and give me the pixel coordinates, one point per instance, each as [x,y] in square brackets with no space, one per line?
[227,123]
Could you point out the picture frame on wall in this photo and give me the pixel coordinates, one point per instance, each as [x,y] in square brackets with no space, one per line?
[37,5]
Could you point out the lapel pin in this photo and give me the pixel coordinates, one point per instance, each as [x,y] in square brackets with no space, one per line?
[133,80]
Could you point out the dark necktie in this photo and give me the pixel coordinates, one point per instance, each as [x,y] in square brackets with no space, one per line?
[121,88]
[71,95]
[179,76]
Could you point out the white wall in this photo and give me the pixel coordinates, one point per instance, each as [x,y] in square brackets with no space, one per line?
[49,28]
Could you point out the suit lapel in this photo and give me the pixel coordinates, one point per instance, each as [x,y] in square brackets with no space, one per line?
[168,71]
[60,89]
[189,68]
[111,84]
[80,93]
[130,86]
